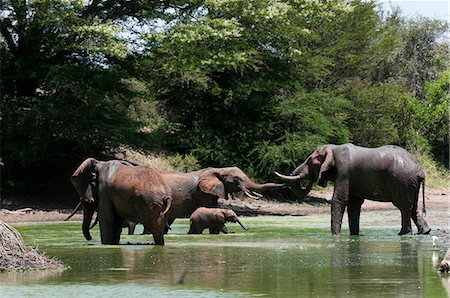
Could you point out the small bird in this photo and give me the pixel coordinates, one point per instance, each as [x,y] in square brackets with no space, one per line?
[435,240]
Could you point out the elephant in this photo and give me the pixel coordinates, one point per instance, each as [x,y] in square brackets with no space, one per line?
[203,188]
[130,225]
[386,174]
[444,266]
[120,191]
[213,219]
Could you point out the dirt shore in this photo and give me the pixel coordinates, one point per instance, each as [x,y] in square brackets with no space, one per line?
[437,206]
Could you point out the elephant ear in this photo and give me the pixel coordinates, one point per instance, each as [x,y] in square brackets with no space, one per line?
[83,176]
[221,217]
[210,183]
[326,154]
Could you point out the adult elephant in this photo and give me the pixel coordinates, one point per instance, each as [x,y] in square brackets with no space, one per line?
[203,188]
[120,191]
[385,174]
[213,219]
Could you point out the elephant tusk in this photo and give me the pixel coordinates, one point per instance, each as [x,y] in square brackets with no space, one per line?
[290,178]
[230,196]
[250,195]
[257,194]
[74,211]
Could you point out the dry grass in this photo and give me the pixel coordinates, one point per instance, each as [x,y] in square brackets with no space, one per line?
[158,162]
[15,255]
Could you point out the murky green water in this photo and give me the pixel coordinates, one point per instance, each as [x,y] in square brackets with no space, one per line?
[279,256]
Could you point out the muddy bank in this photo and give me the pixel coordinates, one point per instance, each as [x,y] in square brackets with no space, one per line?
[437,206]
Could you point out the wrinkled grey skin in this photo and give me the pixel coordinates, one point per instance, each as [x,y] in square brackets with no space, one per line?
[384,174]
[203,188]
[123,192]
[213,219]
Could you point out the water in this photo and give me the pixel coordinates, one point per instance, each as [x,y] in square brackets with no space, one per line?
[277,257]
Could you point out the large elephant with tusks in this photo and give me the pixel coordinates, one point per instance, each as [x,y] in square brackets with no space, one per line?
[120,191]
[385,174]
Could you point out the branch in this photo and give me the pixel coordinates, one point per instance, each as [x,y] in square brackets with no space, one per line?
[4,24]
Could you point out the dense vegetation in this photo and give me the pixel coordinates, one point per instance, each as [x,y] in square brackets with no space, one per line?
[256,84]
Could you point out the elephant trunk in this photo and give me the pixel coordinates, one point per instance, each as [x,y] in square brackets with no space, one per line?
[254,189]
[88,213]
[241,224]
[294,184]
[299,192]
[300,169]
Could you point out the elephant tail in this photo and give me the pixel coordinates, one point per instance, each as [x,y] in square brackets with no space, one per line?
[162,215]
[424,211]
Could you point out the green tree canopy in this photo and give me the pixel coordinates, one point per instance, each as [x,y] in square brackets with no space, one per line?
[257,84]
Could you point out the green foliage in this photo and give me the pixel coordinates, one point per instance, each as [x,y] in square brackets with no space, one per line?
[432,117]
[219,74]
[66,91]
[184,163]
[308,120]
[381,115]
[256,84]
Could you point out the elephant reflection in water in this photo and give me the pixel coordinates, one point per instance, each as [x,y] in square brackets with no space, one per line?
[207,268]
[355,261]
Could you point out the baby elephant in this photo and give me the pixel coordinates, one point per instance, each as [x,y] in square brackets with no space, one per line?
[213,219]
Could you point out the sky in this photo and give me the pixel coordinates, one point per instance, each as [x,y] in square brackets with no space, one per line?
[439,9]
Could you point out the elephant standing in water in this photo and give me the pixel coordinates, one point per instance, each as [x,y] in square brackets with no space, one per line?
[213,219]
[203,188]
[120,191]
[385,174]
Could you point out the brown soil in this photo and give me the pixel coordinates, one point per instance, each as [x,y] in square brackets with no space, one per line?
[437,206]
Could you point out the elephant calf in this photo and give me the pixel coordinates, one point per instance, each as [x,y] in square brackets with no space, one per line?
[213,219]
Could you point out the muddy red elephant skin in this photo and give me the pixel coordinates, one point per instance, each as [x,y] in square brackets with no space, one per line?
[213,219]
[124,192]
[385,174]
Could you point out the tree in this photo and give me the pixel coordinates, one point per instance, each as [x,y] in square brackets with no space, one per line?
[432,117]
[218,73]
[67,83]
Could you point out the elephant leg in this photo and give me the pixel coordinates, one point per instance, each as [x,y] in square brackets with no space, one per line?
[117,229]
[421,224]
[110,230]
[224,230]
[214,231]
[338,204]
[110,223]
[131,227]
[354,211]
[154,225]
[195,228]
[406,222]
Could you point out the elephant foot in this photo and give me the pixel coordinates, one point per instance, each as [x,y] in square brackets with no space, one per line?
[423,231]
[404,233]
[444,267]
